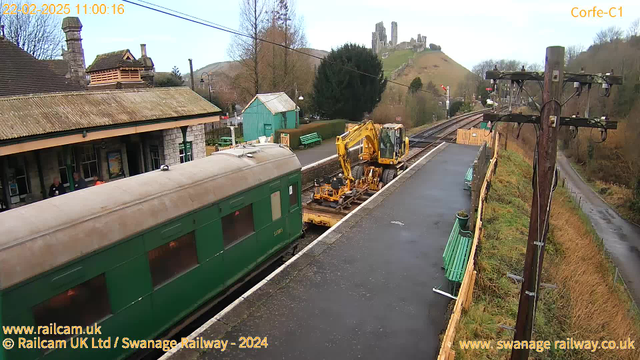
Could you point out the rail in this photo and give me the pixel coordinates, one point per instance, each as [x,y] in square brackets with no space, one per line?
[466,288]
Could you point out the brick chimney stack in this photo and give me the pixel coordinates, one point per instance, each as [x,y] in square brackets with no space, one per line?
[143,50]
[74,54]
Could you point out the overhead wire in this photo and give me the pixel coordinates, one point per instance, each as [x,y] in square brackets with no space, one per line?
[210,24]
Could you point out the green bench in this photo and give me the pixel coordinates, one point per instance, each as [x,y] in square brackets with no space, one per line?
[468,178]
[225,141]
[456,253]
[310,139]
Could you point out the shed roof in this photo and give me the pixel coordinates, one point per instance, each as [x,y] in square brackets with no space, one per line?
[275,102]
[114,60]
[37,114]
[21,73]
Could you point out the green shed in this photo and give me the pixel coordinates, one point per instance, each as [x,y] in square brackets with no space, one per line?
[267,113]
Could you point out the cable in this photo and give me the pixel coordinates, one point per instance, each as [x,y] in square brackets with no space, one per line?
[213,25]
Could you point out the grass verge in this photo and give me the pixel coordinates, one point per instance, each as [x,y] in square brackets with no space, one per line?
[585,306]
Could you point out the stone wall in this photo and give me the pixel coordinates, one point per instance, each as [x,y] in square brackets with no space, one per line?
[173,137]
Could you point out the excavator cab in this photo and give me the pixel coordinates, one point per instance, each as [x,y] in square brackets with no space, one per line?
[393,143]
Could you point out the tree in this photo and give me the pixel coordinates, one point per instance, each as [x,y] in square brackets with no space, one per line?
[173,79]
[247,50]
[433,46]
[341,92]
[416,84]
[38,34]
[281,70]
[572,52]
[634,28]
[610,34]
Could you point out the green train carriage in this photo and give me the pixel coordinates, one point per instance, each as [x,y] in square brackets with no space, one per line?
[137,255]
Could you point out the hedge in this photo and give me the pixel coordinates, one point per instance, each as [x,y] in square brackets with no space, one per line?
[327,129]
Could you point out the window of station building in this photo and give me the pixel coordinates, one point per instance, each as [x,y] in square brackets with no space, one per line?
[293,195]
[276,209]
[88,162]
[172,259]
[185,156]
[82,305]
[18,179]
[62,168]
[154,153]
[237,225]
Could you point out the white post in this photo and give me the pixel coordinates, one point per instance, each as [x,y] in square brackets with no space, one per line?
[233,135]
[448,101]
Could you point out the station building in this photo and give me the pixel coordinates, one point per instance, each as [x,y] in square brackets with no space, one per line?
[106,122]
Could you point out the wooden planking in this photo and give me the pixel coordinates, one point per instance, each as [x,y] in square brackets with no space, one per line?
[473,136]
[466,289]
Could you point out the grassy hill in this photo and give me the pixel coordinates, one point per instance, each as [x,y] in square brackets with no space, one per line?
[433,66]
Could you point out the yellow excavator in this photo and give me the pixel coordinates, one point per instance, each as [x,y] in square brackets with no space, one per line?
[383,153]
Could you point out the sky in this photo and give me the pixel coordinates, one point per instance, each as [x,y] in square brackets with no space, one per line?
[468,31]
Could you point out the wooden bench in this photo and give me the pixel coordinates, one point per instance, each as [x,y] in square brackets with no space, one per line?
[468,177]
[456,253]
[310,139]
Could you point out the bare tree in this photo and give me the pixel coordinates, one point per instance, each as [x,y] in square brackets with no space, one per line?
[572,52]
[634,28]
[38,34]
[286,29]
[247,50]
[610,34]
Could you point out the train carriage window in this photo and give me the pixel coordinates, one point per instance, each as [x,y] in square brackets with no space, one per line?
[276,209]
[293,195]
[237,225]
[82,305]
[172,259]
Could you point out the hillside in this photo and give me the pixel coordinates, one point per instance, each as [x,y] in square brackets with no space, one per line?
[228,69]
[433,66]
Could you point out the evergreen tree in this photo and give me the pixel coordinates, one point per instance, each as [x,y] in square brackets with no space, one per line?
[341,92]
[416,85]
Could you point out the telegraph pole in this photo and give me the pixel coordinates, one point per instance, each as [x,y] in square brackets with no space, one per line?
[545,163]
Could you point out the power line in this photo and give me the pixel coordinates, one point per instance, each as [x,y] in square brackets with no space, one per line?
[210,24]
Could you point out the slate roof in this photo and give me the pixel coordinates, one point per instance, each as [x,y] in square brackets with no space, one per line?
[113,60]
[21,73]
[60,67]
[38,114]
[275,102]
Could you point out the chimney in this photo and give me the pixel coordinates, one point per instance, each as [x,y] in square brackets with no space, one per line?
[74,54]
[143,50]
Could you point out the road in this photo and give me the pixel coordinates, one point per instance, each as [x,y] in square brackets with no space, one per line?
[621,237]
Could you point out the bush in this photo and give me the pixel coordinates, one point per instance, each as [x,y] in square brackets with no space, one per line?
[327,129]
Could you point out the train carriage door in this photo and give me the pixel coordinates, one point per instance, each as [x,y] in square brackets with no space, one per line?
[294,218]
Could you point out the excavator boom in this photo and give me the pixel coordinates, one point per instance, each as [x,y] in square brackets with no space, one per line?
[344,142]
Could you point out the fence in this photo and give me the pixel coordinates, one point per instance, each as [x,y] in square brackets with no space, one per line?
[213,135]
[473,136]
[466,288]
[480,166]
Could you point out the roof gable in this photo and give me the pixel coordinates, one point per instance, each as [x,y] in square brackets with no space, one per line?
[21,73]
[275,102]
[39,114]
[114,60]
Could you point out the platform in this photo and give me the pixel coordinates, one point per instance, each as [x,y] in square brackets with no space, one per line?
[364,288]
[317,152]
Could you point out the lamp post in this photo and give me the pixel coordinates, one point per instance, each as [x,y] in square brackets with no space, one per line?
[209,76]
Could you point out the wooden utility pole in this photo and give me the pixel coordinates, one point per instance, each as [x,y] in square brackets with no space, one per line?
[543,182]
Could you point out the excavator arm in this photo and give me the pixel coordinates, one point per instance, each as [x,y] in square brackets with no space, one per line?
[366,131]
